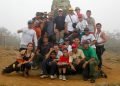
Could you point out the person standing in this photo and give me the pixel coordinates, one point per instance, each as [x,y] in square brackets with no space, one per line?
[59,25]
[81,25]
[91,22]
[28,35]
[101,40]
[70,19]
[50,28]
[78,12]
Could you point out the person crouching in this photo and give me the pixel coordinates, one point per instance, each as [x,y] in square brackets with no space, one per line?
[63,63]
[22,63]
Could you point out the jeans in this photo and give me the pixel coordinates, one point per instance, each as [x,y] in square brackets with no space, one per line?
[49,66]
[100,50]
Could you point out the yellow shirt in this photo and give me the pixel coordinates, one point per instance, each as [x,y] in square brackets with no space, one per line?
[78,55]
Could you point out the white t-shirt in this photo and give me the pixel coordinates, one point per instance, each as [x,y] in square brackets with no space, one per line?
[59,54]
[89,38]
[82,25]
[69,22]
[69,48]
[28,35]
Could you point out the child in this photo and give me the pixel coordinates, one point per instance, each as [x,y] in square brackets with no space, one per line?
[63,63]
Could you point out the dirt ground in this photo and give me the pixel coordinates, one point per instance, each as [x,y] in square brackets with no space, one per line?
[7,56]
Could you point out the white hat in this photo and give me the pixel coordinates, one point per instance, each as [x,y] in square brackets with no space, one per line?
[60,9]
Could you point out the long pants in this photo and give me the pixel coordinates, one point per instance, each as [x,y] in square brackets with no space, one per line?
[100,50]
[49,67]
[89,70]
[13,67]
[26,66]
[37,60]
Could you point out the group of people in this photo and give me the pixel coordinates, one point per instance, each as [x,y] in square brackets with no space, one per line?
[61,45]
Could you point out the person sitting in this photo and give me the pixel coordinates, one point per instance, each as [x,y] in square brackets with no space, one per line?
[23,62]
[49,64]
[63,63]
[76,59]
[91,62]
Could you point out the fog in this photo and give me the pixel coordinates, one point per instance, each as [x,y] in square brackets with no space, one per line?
[14,14]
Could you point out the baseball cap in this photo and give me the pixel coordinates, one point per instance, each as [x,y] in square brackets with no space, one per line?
[60,9]
[74,46]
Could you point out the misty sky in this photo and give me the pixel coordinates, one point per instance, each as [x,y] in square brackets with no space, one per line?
[14,14]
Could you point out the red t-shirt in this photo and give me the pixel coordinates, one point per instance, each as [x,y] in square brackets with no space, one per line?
[64,59]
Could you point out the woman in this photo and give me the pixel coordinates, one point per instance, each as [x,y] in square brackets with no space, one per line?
[23,61]
[63,63]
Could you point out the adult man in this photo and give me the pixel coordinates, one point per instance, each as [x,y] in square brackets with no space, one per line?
[88,37]
[45,46]
[76,58]
[78,12]
[91,22]
[59,25]
[69,20]
[50,28]
[28,36]
[101,39]
[81,25]
[77,42]
[91,61]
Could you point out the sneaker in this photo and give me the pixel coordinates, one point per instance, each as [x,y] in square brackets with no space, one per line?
[52,77]
[92,80]
[55,76]
[41,73]
[64,78]
[44,76]
[60,77]
[85,79]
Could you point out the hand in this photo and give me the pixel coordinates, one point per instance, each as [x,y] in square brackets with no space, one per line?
[70,53]
[85,64]
[78,61]
[51,49]
[55,30]
[73,68]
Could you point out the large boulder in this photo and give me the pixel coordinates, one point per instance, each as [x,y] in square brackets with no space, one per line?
[57,4]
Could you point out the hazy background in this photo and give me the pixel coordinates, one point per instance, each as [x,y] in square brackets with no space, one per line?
[14,14]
